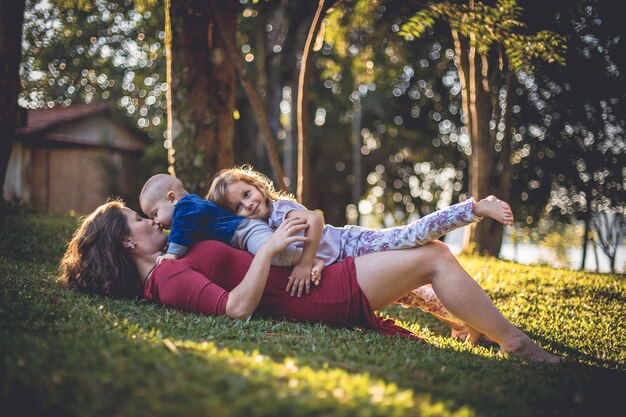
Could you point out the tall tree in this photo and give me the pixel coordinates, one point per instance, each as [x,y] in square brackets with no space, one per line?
[255,103]
[302,110]
[491,46]
[11,17]
[202,89]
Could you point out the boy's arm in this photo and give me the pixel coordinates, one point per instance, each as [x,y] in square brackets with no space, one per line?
[185,227]
[300,279]
[176,250]
[251,236]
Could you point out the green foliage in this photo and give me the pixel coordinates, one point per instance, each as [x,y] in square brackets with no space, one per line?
[420,23]
[88,5]
[410,128]
[345,28]
[495,26]
[76,51]
[585,105]
[62,353]
[524,50]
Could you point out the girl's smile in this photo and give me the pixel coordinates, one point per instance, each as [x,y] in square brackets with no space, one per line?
[246,200]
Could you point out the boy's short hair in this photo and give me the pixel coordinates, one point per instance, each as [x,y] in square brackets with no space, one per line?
[161,183]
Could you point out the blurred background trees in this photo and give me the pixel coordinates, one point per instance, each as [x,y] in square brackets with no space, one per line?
[85,52]
[491,46]
[391,134]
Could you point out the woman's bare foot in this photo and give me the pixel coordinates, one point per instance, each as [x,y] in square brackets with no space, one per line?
[526,348]
[316,271]
[494,208]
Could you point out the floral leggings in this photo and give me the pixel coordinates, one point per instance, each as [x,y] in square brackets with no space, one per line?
[357,241]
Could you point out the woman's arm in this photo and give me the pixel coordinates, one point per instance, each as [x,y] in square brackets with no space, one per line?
[245,297]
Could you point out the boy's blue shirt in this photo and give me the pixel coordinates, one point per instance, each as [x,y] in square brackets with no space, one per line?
[196,219]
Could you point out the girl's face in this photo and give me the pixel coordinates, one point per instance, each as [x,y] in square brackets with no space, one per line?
[246,200]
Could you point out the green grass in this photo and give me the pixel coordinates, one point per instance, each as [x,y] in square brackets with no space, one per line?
[64,354]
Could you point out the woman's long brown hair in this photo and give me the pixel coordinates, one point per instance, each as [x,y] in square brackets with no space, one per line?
[95,261]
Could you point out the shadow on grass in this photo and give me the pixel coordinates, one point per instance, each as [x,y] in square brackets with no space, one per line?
[66,350]
[343,365]
[66,354]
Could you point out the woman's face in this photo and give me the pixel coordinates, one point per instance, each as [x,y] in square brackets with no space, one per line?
[146,233]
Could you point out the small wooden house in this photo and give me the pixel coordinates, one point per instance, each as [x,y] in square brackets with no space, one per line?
[73,159]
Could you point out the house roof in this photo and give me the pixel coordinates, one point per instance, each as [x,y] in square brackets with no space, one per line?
[42,119]
[44,124]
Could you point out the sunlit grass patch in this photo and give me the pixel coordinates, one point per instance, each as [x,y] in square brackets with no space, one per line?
[63,353]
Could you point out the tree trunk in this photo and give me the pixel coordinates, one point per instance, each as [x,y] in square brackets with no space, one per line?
[462,66]
[595,252]
[232,55]
[357,190]
[612,260]
[479,236]
[587,220]
[11,19]
[224,88]
[265,93]
[303,110]
[585,242]
[496,229]
[202,91]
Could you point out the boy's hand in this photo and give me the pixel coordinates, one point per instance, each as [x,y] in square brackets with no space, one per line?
[165,257]
[300,280]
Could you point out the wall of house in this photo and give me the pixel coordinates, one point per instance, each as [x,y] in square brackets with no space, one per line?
[62,176]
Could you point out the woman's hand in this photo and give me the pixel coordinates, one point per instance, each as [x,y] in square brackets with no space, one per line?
[245,297]
[284,235]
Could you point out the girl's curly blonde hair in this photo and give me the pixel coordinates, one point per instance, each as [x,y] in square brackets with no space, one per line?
[226,177]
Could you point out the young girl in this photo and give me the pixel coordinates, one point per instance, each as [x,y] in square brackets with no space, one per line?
[251,194]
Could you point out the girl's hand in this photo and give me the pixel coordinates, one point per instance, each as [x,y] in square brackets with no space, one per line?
[284,235]
[299,280]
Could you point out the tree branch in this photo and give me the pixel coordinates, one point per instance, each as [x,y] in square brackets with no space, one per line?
[254,99]
[300,104]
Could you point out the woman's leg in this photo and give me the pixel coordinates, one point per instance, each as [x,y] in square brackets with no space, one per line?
[386,277]
[357,241]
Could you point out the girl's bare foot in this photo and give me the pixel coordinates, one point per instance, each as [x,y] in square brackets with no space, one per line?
[459,332]
[494,208]
[316,271]
[467,334]
[474,336]
[526,348]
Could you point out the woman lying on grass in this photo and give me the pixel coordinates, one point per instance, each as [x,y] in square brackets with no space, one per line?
[114,253]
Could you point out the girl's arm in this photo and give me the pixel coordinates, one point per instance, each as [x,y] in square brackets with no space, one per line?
[300,279]
[245,297]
